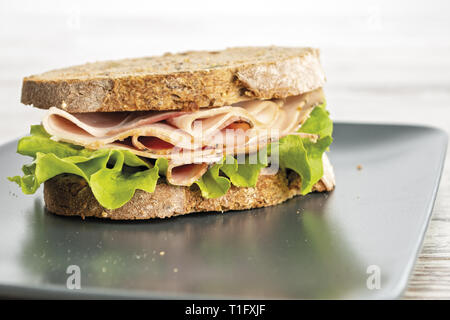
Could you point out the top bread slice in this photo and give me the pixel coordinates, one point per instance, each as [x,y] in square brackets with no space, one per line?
[182,81]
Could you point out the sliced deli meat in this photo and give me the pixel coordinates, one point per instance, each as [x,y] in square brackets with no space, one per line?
[65,130]
[186,137]
[185,174]
[102,124]
[208,122]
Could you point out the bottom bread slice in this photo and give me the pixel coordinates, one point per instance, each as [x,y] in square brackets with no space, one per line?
[70,195]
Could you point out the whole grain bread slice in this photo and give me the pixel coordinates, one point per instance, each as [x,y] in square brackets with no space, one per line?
[70,195]
[184,81]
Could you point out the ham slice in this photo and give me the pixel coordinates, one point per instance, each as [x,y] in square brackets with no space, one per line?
[64,129]
[175,131]
[265,112]
[274,120]
[209,122]
[185,174]
[101,124]
[189,140]
[180,156]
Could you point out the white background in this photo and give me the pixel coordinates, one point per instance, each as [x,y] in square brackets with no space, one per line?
[386,61]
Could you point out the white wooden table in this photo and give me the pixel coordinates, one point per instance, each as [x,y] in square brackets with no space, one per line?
[385,62]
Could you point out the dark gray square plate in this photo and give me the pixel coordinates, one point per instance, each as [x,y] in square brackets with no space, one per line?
[321,246]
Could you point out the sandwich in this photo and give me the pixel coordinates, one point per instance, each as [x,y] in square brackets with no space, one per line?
[162,136]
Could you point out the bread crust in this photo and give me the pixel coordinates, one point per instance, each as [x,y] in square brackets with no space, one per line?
[183,81]
[70,195]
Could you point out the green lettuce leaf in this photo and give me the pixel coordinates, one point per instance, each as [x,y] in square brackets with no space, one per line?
[303,155]
[211,184]
[116,186]
[245,174]
[220,176]
[113,175]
